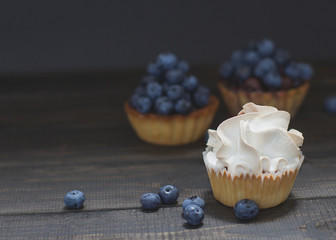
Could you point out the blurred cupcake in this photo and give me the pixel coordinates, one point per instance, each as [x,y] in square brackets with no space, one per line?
[170,107]
[266,75]
[253,156]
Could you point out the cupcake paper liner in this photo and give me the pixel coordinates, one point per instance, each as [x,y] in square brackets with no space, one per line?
[173,129]
[288,100]
[267,191]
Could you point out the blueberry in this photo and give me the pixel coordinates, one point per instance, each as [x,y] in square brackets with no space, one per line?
[194,200]
[74,199]
[134,99]
[183,106]
[143,104]
[193,214]
[265,47]
[246,209]
[292,70]
[263,67]
[184,66]
[169,194]
[237,58]
[306,71]
[251,58]
[164,106]
[175,92]
[167,60]
[282,57]
[226,70]
[175,76]
[201,96]
[330,104]
[242,73]
[190,83]
[272,80]
[154,68]
[154,90]
[147,79]
[150,201]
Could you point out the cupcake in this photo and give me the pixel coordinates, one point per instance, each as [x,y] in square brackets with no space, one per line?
[170,106]
[266,75]
[253,156]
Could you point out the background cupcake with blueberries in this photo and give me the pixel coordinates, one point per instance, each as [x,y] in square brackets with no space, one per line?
[266,75]
[170,106]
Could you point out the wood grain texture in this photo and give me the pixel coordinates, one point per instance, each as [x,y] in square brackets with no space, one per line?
[61,132]
[294,219]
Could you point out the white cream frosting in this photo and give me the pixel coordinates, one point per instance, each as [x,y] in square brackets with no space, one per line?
[253,142]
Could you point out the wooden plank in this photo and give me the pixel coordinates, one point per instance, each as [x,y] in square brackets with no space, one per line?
[294,219]
[116,180]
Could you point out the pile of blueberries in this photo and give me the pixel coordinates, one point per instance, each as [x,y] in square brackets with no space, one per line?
[267,65]
[167,88]
[192,207]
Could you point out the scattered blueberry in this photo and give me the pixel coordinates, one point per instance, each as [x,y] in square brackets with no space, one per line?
[190,83]
[330,104]
[226,70]
[246,209]
[150,201]
[194,200]
[175,76]
[143,104]
[164,106]
[183,106]
[74,199]
[306,71]
[193,214]
[154,90]
[292,70]
[237,58]
[272,80]
[169,194]
[263,67]
[282,56]
[183,65]
[265,47]
[201,96]
[175,92]
[154,68]
[251,58]
[167,60]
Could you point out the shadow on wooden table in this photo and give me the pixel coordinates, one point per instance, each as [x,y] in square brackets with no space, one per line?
[219,211]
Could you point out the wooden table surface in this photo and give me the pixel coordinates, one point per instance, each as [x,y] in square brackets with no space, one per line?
[61,132]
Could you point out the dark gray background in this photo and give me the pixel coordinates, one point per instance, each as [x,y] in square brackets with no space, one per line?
[43,36]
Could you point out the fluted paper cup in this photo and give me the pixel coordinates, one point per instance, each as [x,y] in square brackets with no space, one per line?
[289,100]
[173,129]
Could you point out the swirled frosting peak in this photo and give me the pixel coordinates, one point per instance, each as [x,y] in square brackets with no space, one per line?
[254,141]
